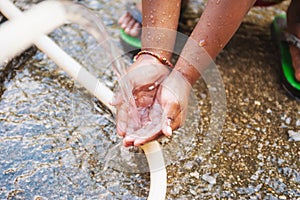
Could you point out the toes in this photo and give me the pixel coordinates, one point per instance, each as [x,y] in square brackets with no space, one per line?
[297,74]
[295,54]
[135,30]
[121,19]
[125,20]
[129,26]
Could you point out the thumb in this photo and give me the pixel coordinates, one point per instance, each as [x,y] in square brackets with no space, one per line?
[117,99]
[171,118]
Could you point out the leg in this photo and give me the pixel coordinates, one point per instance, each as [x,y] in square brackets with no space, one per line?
[293,23]
[131,26]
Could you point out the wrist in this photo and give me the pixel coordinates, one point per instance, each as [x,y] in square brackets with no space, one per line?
[187,70]
[145,53]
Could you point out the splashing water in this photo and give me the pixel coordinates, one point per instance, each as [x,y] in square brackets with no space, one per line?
[23,37]
[77,13]
[120,158]
[82,16]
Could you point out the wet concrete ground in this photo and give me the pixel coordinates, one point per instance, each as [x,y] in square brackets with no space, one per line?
[54,136]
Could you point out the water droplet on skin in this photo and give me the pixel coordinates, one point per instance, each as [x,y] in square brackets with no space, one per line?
[151,87]
[151,16]
[218,2]
[170,16]
[152,21]
[208,23]
[202,43]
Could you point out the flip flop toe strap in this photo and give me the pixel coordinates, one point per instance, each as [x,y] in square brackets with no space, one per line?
[135,13]
[292,39]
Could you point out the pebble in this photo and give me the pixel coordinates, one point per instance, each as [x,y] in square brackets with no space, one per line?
[212,89]
[257,103]
[210,179]
[260,156]
[294,135]
[288,120]
[269,111]
[280,161]
[282,197]
[254,177]
[195,174]
[298,122]
[188,165]
[193,192]
[95,5]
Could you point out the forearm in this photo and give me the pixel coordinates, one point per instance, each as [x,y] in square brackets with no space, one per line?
[160,21]
[216,26]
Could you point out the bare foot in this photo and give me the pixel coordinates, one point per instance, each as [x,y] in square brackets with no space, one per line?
[129,24]
[295,54]
[293,23]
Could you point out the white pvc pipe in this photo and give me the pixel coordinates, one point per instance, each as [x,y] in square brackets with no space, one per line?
[19,34]
[158,173]
[23,31]
[44,43]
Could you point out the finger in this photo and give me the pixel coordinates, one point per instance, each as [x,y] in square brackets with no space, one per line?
[117,99]
[147,134]
[122,18]
[152,130]
[128,141]
[122,116]
[176,123]
[136,29]
[125,20]
[130,24]
[171,118]
[140,142]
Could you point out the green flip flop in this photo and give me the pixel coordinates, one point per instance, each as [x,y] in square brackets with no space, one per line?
[133,41]
[283,40]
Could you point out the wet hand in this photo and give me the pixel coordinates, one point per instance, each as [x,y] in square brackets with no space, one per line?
[167,113]
[173,98]
[144,78]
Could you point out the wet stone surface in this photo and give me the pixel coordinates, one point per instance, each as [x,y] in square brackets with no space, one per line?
[55,138]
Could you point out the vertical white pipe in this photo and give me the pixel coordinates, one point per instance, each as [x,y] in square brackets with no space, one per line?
[158,173]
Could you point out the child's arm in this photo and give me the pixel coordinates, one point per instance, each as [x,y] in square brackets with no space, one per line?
[218,23]
[160,22]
